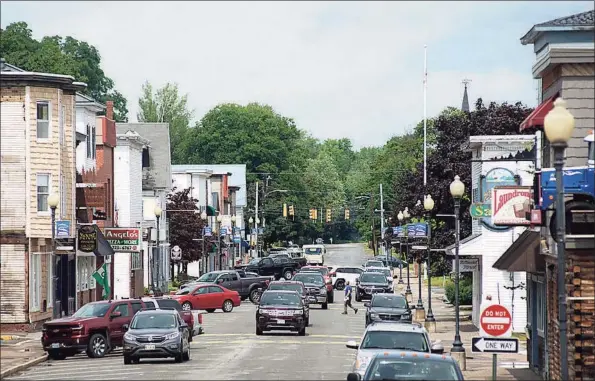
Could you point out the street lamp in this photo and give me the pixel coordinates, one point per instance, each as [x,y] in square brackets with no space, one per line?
[400,218]
[408,293]
[457,189]
[420,312]
[430,320]
[219,219]
[203,216]
[157,263]
[558,125]
[53,201]
[233,234]
[250,223]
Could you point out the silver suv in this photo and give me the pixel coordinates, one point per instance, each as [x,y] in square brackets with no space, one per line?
[382,336]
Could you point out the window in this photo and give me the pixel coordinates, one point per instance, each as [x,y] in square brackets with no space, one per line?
[234,277]
[62,196]
[123,309]
[540,304]
[35,271]
[83,273]
[93,146]
[43,191]
[92,267]
[135,261]
[215,200]
[150,304]
[61,124]
[50,268]
[88,141]
[146,161]
[43,120]
[136,307]
[201,290]
[214,289]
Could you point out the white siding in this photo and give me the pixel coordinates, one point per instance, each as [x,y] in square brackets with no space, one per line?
[121,275]
[84,117]
[13,285]
[13,166]
[122,194]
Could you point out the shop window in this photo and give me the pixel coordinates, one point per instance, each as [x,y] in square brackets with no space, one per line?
[35,274]
[135,261]
[540,305]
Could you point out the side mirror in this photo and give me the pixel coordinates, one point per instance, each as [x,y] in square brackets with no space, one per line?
[354,377]
[367,304]
[115,314]
[125,327]
[352,344]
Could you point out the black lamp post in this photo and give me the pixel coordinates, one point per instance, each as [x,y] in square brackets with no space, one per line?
[219,219]
[558,127]
[53,201]
[408,293]
[203,217]
[430,320]
[157,262]
[457,189]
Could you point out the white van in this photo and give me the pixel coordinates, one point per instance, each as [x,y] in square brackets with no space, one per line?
[314,254]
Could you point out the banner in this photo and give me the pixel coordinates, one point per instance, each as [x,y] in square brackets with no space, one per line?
[100,276]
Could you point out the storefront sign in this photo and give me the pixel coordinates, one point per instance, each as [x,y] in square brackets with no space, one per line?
[510,205]
[62,229]
[480,210]
[87,239]
[124,240]
[467,265]
[493,178]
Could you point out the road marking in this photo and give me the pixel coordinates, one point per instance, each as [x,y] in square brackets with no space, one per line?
[267,341]
[252,335]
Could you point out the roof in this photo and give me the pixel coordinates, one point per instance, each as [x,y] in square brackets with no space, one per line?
[450,249]
[236,179]
[576,22]
[158,175]
[282,291]
[24,78]
[398,354]
[153,311]
[285,282]
[395,327]
[83,100]
[4,66]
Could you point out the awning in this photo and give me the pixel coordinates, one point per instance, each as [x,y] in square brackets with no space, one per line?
[523,255]
[535,119]
[467,246]
[103,246]
[211,212]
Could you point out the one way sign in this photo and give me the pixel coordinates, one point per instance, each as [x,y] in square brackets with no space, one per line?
[494,345]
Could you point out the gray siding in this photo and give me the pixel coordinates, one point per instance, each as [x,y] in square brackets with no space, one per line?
[579,93]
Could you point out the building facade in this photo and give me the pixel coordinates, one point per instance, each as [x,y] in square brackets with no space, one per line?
[38,159]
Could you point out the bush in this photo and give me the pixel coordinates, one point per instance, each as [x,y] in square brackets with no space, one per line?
[465,291]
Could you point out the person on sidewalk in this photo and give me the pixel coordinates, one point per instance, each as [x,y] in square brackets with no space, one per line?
[347,301]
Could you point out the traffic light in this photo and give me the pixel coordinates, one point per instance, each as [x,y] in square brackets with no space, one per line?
[346,214]
[312,214]
[328,215]
[284,210]
[315,214]
[291,213]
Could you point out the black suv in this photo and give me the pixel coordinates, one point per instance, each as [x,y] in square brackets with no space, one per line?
[387,307]
[370,283]
[293,285]
[283,310]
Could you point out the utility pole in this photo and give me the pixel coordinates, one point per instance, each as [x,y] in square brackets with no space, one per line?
[382,219]
[372,221]
[256,222]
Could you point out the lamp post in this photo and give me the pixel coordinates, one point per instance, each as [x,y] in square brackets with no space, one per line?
[53,201]
[420,311]
[457,189]
[219,219]
[400,218]
[558,126]
[408,293]
[430,320]
[233,234]
[157,263]
[250,223]
[203,217]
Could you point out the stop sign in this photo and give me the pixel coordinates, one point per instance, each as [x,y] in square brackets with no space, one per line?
[495,320]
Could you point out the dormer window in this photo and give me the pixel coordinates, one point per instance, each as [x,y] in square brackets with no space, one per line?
[91,142]
[146,160]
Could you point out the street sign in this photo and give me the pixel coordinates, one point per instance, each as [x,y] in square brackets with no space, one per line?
[494,345]
[419,248]
[495,320]
[176,253]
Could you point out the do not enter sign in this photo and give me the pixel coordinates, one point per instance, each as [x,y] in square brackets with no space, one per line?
[495,320]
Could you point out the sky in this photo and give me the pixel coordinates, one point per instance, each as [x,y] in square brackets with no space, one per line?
[339,69]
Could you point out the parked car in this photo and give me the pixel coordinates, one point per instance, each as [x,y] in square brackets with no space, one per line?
[232,280]
[380,337]
[341,275]
[399,365]
[96,328]
[373,263]
[369,284]
[314,254]
[293,285]
[383,270]
[269,267]
[291,257]
[391,261]
[387,307]
[281,310]
[315,287]
[324,271]
[156,334]
[193,319]
[207,296]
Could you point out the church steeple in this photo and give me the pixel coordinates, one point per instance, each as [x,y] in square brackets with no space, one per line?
[465,105]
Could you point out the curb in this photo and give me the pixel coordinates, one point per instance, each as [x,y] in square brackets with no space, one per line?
[15,369]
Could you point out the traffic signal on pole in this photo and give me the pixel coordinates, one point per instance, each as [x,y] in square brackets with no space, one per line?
[312,214]
[315,214]
[291,213]
[346,214]
[284,210]
[328,215]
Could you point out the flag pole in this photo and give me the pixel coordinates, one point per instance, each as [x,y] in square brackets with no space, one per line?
[425,115]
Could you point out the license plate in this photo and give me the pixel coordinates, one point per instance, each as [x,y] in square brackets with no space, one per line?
[55,345]
[149,347]
[321,299]
[280,321]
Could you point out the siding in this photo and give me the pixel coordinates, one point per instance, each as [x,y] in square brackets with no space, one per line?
[121,275]
[13,167]
[13,305]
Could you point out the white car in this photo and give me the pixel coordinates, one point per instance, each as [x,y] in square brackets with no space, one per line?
[314,254]
[384,270]
[373,263]
[342,275]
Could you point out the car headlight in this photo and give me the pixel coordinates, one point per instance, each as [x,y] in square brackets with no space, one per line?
[361,363]
[374,316]
[323,291]
[406,315]
[172,335]
[298,312]
[129,337]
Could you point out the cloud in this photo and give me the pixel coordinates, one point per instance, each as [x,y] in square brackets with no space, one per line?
[340,69]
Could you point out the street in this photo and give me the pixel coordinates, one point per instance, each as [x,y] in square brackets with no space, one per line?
[230,349]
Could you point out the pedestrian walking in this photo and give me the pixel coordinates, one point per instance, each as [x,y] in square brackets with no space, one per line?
[347,301]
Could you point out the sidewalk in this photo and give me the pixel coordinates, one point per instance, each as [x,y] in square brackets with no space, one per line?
[20,351]
[479,365]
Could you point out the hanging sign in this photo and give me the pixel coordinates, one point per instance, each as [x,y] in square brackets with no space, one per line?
[87,239]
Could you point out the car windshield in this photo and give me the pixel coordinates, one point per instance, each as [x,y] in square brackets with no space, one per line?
[208,277]
[286,287]
[254,262]
[313,250]
[185,290]
[321,270]
[389,301]
[373,278]
[280,299]
[154,321]
[411,369]
[374,264]
[309,278]
[385,272]
[92,310]
[409,341]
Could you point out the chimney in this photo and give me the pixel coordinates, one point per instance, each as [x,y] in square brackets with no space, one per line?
[109,114]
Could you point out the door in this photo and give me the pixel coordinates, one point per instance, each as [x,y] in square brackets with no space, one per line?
[116,323]
[215,297]
[229,281]
[199,298]
[266,267]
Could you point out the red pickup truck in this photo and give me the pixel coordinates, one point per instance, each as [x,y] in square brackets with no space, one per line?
[97,327]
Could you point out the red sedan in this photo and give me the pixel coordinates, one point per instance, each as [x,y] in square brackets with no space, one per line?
[207,296]
[324,271]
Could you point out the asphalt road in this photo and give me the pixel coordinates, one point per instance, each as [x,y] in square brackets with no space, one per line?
[230,349]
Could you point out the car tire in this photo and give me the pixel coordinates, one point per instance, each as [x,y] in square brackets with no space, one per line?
[210,310]
[307,322]
[287,275]
[340,285]
[357,297]
[56,355]
[186,355]
[254,296]
[186,306]
[227,306]
[325,306]
[258,331]
[98,346]
[302,332]
[179,358]
[127,360]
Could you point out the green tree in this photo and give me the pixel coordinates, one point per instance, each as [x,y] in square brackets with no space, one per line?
[59,55]
[166,105]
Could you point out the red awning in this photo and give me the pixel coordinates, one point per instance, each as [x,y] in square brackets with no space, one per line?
[535,119]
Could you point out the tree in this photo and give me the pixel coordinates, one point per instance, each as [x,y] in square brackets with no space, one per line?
[59,55]
[185,227]
[166,105]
